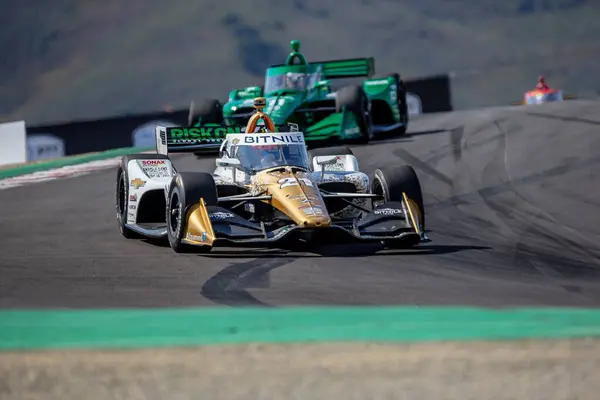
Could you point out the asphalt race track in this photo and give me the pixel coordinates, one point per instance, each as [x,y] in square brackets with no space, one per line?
[513,202]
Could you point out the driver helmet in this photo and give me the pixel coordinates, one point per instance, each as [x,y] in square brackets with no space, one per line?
[269,153]
[294,80]
[266,152]
[258,155]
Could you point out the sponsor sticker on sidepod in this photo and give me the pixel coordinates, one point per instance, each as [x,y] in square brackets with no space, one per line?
[156,168]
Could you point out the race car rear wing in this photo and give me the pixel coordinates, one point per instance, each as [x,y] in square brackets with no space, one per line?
[195,139]
[349,68]
[184,140]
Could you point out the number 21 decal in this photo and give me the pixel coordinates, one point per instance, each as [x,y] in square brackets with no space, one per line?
[285,182]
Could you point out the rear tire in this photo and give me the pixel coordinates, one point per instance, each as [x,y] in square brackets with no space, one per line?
[209,111]
[185,190]
[123,189]
[355,100]
[391,183]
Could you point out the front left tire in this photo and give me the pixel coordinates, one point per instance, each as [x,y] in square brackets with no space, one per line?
[390,183]
[185,190]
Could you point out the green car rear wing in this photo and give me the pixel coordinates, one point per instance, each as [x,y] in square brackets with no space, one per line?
[349,68]
[331,69]
[335,69]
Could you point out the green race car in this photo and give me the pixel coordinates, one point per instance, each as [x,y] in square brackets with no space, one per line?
[300,93]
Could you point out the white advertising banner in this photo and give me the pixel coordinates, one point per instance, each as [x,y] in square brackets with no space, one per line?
[414,104]
[13,143]
[44,146]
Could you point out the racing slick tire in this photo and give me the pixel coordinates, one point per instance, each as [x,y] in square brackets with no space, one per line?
[122,191]
[211,112]
[391,182]
[356,101]
[402,104]
[185,190]
[329,151]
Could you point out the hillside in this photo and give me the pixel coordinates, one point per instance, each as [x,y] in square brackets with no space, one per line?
[75,59]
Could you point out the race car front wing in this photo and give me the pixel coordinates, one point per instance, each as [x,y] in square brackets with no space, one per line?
[391,221]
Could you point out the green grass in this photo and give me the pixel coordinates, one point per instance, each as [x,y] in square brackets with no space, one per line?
[82,59]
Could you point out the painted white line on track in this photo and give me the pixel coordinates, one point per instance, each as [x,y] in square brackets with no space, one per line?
[69,171]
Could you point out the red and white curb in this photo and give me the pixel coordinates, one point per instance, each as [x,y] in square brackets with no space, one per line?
[69,171]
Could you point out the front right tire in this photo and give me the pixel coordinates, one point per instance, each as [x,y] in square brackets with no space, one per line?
[402,104]
[390,183]
[356,101]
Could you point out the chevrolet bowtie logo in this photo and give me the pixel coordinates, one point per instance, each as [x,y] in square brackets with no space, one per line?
[137,183]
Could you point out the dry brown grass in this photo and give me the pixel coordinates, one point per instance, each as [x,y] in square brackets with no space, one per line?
[544,370]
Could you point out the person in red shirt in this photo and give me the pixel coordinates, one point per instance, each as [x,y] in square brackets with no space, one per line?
[541,85]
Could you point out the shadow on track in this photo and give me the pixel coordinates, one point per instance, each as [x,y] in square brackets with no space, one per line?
[229,286]
[342,251]
[157,242]
[324,251]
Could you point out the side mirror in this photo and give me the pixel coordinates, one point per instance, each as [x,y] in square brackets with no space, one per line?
[327,161]
[228,162]
[323,86]
[233,95]
[245,93]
